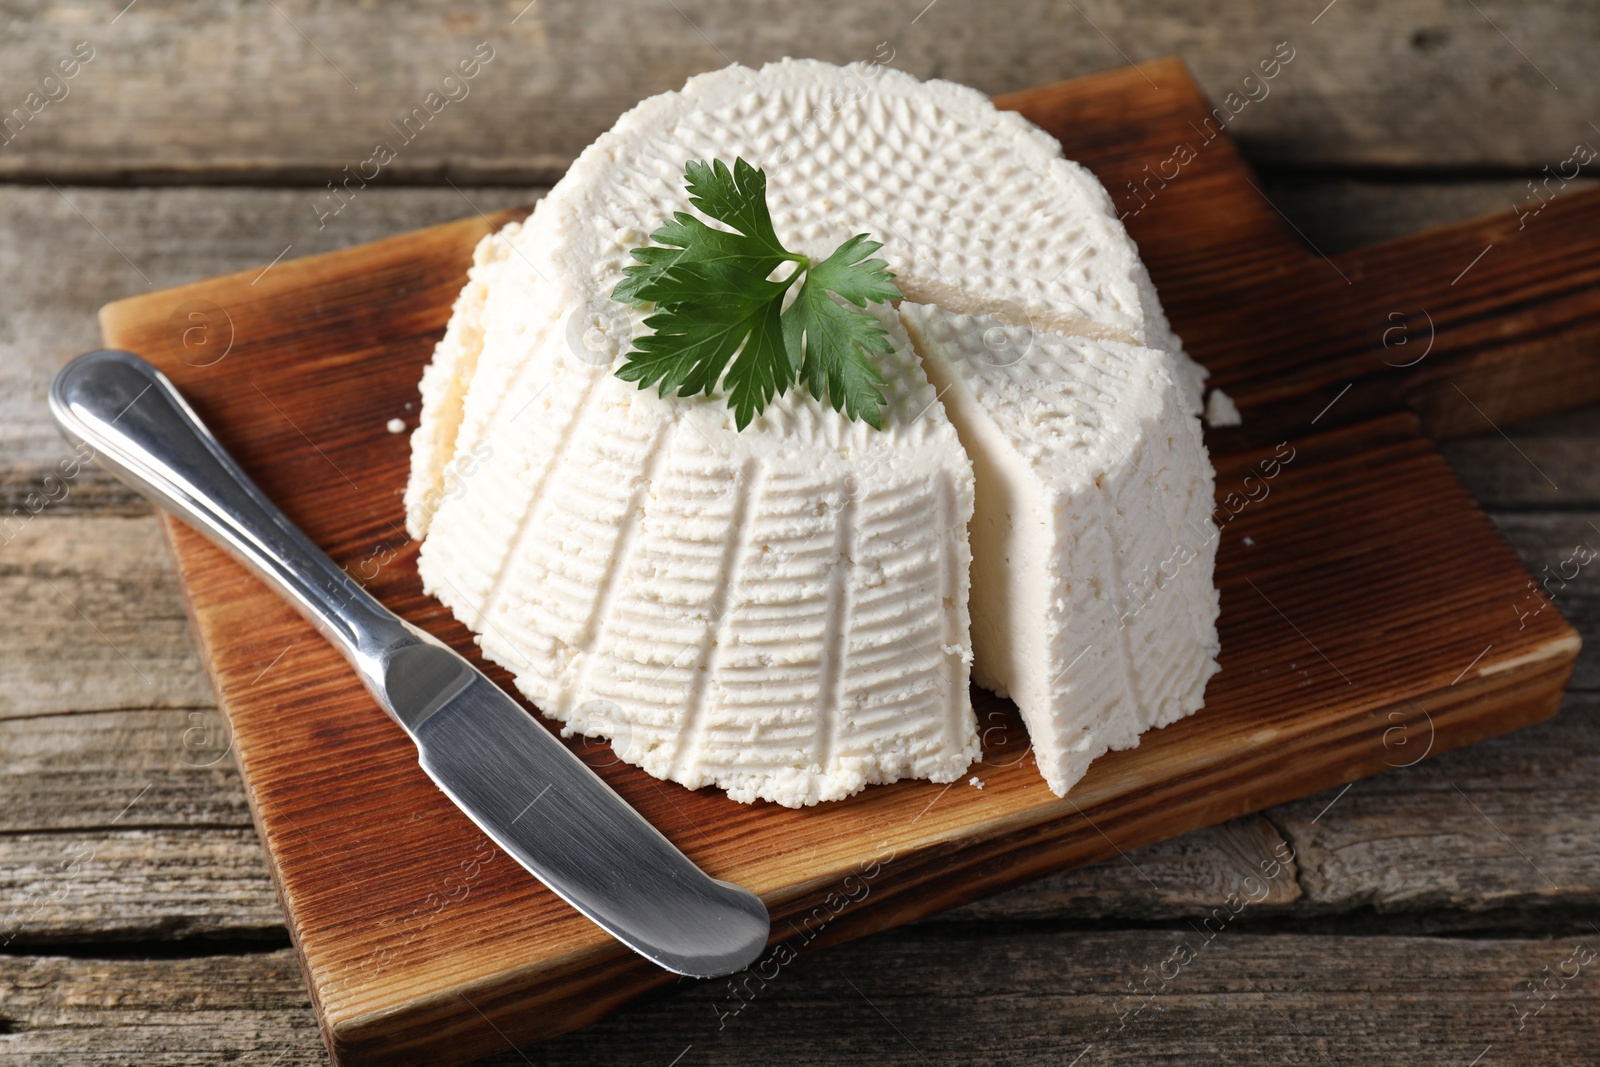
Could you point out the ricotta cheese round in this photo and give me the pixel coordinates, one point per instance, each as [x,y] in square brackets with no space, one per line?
[783,612]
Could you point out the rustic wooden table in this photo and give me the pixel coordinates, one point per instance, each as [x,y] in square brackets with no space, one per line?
[1444,913]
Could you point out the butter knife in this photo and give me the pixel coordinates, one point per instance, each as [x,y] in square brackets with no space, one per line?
[528,792]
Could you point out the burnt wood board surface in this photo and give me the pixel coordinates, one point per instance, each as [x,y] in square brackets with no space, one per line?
[1371,615]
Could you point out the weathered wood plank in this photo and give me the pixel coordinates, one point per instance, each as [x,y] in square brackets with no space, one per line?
[245,1009]
[95,620]
[1549,462]
[58,266]
[298,90]
[1503,827]
[111,884]
[1336,214]
[129,768]
[916,996]
[1034,998]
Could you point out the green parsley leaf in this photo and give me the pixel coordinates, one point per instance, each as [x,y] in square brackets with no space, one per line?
[737,198]
[732,311]
[834,340]
[720,320]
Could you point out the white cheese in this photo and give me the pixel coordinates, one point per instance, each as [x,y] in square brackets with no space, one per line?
[445,381]
[1221,410]
[967,200]
[783,611]
[977,209]
[1093,545]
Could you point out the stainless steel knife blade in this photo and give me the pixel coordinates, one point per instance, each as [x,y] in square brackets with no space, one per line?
[528,792]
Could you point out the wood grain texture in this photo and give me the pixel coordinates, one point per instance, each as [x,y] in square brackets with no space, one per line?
[296,90]
[1026,997]
[1543,465]
[1342,214]
[128,768]
[1477,834]
[65,249]
[93,594]
[111,885]
[1364,523]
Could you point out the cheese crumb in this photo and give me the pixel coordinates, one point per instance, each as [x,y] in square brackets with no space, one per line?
[975,782]
[1221,410]
[397,426]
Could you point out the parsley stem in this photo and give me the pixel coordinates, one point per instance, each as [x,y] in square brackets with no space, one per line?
[804,265]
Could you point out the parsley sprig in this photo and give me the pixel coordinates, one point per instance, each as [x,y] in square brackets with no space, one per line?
[719,318]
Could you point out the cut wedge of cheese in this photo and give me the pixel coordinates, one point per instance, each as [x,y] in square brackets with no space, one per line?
[783,612]
[1093,545]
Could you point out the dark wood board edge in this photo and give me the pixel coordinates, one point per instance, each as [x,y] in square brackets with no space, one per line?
[957,872]
[172,529]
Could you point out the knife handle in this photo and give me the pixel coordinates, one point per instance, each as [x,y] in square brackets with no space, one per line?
[143,431]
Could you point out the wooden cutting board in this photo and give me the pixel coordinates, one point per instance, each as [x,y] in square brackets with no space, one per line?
[1371,615]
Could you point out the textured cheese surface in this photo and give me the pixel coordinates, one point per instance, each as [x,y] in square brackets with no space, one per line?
[976,207]
[783,612]
[445,381]
[1093,545]
[780,612]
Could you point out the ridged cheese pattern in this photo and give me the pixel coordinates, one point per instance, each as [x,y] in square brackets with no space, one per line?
[445,381]
[1092,602]
[783,612]
[780,612]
